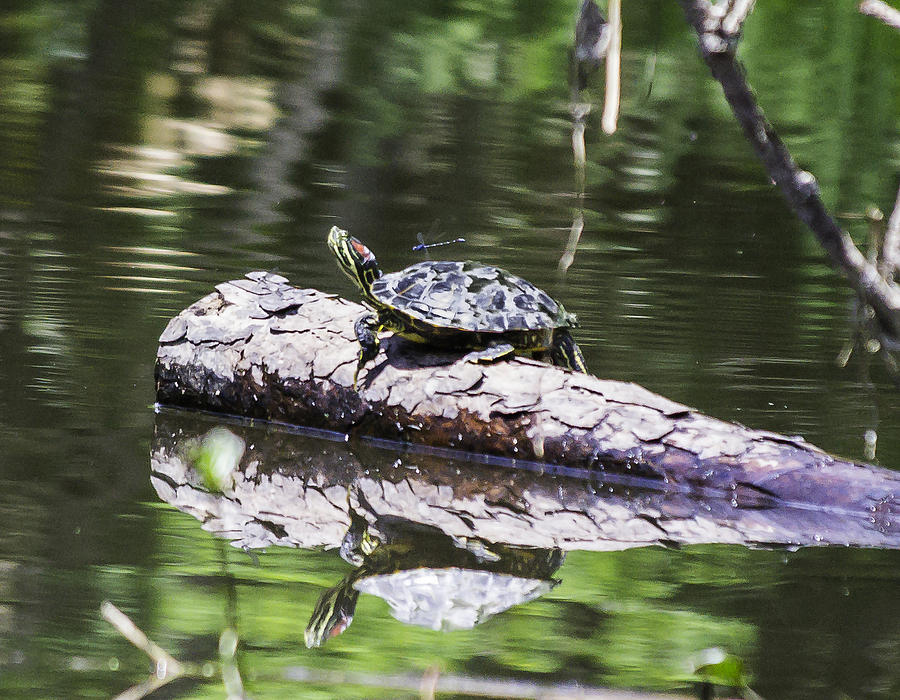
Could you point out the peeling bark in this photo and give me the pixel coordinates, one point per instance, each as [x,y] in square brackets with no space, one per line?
[260,348]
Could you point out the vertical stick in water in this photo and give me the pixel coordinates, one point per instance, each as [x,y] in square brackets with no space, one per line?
[613,68]
[579,152]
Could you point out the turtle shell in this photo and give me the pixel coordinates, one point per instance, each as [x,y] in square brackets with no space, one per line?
[468,296]
[451,598]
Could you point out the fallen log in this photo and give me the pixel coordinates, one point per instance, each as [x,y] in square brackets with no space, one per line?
[260,348]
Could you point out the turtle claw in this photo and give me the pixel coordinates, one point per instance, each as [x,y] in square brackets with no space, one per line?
[366,329]
[364,358]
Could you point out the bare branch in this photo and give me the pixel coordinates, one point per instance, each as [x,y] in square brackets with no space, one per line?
[799,187]
[890,249]
[881,10]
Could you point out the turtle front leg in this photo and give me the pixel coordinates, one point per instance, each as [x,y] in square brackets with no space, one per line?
[366,329]
[564,352]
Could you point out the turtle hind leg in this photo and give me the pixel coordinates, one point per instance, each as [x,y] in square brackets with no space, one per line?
[565,352]
[366,329]
[492,353]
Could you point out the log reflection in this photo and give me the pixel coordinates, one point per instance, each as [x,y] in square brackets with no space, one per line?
[302,488]
[446,542]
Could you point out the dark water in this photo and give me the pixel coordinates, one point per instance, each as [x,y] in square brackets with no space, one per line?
[149,150]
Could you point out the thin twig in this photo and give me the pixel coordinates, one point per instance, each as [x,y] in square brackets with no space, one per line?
[142,690]
[579,152]
[568,257]
[166,665]
[875,235]
[881,10]
[429,682]
[610,117]
[734,19]
[799,188]
[231,676]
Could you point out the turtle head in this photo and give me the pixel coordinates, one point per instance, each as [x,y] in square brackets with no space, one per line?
[354,258]
[333,613]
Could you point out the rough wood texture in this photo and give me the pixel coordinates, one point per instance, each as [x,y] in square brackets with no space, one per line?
[300,491]
[261,348]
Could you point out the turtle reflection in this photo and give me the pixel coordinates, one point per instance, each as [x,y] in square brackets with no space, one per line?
[430,579]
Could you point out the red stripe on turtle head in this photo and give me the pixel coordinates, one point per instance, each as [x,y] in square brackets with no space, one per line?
[362,250]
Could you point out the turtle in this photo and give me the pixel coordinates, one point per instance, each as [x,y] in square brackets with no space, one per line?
[430,579]
[456,306]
